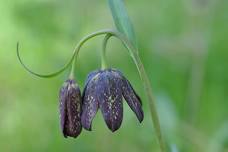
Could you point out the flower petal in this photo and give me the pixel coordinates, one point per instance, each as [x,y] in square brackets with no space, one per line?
[132,99]
[74,111]
[110,99]
[62,106]
[90,105]
[91,75]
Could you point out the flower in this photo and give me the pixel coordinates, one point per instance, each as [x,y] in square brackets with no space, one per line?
[70,109]
[105,89]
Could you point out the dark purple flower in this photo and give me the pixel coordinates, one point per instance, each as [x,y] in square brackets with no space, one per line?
[70,109]
[105,89]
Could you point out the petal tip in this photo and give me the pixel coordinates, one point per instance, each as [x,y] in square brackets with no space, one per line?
[87,128]
[85,125]
[113,127]
[114,130]
[140,115]
[141,120]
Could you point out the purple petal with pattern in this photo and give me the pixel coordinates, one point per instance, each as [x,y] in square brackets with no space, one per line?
[132,99]
[90,104]
[62,106]
[70,109]
[110,99]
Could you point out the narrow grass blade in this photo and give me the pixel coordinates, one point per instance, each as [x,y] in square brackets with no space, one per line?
[122,20]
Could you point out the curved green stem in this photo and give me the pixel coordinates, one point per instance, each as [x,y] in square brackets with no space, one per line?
[38,74]
[103,56]
[75,53]
[153,110]
[72,69]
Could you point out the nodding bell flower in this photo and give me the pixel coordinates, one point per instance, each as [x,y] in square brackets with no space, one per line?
[105,89]
[70,109]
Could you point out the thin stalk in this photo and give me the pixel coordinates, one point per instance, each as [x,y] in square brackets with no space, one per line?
[103,55]
[75,54]
[153,110]
[72,69]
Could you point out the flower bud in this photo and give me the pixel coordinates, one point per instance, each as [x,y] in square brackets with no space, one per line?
[70,109]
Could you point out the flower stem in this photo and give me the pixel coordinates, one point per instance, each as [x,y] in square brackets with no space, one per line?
[103,56]
[72,69]
[153,110]
[74,56]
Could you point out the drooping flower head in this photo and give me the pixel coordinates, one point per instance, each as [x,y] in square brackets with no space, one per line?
[70,109]
[105,89]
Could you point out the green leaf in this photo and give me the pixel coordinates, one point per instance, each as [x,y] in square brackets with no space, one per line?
[122,21]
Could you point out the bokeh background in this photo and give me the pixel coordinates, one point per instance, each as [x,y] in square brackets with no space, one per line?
[183,45]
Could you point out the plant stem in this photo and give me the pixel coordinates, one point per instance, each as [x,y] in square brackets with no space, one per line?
[153,111]
[72,69]
[103,56]
[75,54]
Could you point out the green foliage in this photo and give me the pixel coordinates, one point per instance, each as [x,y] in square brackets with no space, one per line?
[122,21]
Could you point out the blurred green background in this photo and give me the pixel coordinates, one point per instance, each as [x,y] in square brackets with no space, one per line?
[183,45]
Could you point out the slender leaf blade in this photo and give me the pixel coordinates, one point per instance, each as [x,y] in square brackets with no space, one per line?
[122,20]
